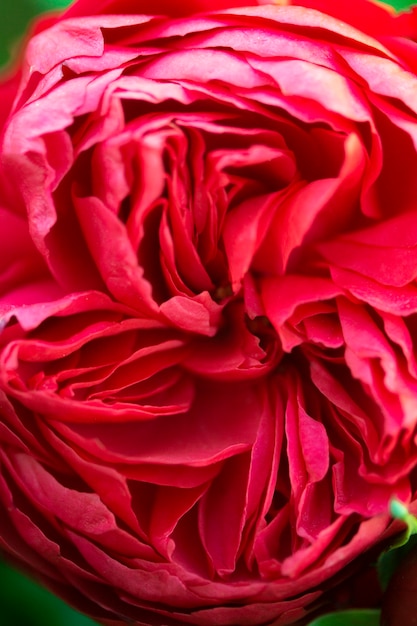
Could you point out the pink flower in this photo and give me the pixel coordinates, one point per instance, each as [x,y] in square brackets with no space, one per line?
[208,373]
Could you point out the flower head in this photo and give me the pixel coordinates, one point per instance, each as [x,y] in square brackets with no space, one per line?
[208,375]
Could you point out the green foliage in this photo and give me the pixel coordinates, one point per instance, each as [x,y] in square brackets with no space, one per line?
[400,4]
[23,602]
[390,560]
[48,5]
[14,18]
[360,617]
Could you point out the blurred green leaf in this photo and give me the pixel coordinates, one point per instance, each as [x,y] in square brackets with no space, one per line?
[400,4]
[23,602]
[390,560]
[392,557]
[48,5]
[14,18]
[362,617]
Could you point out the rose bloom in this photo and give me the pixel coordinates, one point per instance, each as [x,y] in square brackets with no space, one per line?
[208,370]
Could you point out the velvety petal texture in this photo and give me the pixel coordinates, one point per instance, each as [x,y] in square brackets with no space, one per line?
[208,304]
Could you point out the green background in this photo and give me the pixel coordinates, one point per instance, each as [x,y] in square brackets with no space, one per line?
[22,602]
